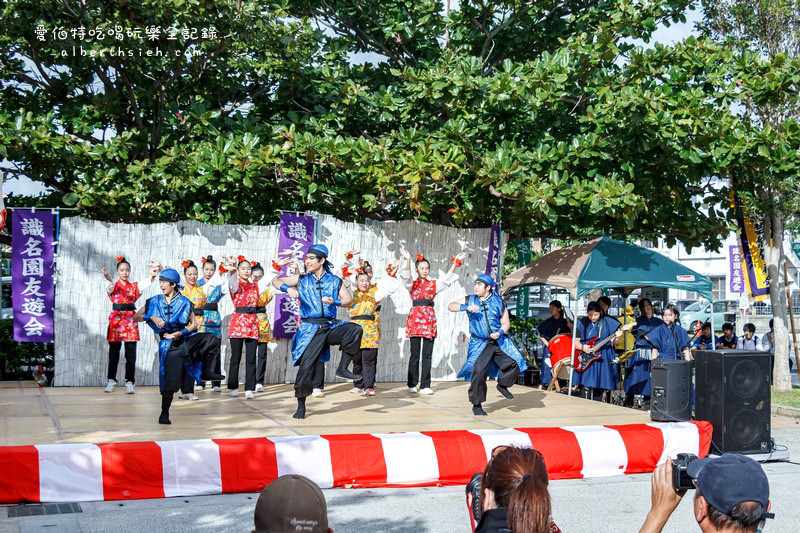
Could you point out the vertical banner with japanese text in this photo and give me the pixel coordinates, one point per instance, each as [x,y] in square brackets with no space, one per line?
[493,258]
[751,237]
[32,290]
[296,233]
[523,247]
[736,280]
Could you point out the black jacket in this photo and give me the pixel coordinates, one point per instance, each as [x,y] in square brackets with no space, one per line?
[493,521]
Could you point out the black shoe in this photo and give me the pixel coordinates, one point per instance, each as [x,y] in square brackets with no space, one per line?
[477,410]
[211,376]
[301,409]
[346,374]
[505,392]
[164,418]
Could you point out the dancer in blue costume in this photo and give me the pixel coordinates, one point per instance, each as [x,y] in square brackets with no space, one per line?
[183,354]
[601,374]
[491,351]
[637,376]
[320,292]
[215,288]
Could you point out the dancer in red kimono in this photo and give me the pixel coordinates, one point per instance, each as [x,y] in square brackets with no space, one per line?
[243,328]
[121,328]
[421,322]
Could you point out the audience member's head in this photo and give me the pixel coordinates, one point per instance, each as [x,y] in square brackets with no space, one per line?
[727,328]
[515,479]
[749,330]
[605,303]
[705,331]
[291,503]
[732,493]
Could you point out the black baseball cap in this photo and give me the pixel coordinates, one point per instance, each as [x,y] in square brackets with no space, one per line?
[291,503]
[729,480]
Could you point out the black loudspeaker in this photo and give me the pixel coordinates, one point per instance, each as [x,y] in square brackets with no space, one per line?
[670,390]
[733,394]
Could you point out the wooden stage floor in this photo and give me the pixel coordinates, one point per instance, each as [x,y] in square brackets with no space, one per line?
[33,415]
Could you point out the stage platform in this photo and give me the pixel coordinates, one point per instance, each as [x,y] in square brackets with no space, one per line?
[57,415]
[81,444]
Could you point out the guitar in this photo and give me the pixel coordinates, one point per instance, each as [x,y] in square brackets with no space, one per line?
[583,360]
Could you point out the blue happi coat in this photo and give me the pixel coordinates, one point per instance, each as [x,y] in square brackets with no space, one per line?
[637,379]
[175,315]
[312,291]
[479,323]
[670,342]
[601,375]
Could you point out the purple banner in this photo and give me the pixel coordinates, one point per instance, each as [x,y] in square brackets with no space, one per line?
[32,291]
[296,234]
[736,283]
[493,259]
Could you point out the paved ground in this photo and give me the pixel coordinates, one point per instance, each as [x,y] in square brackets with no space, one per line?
[592,505]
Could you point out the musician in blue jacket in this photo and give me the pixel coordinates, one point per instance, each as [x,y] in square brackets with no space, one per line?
[184,356]
[491,352]
[670,340]
[557,324]
[600,375]
[637,378]
[320,292]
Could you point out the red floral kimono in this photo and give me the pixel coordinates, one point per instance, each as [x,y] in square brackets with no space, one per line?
[121,326]
[421,320]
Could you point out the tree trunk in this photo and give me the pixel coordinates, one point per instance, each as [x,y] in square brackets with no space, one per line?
[773,242]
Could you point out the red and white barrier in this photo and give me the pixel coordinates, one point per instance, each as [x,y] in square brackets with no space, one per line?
[131,470]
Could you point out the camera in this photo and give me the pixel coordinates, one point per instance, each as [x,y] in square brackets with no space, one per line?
[474,488]
[680,478]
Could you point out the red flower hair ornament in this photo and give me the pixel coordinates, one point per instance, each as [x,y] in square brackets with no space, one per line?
[420,257]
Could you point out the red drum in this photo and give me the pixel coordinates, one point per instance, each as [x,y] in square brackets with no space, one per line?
[560,347]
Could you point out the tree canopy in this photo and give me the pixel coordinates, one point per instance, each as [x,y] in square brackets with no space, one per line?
[541,114]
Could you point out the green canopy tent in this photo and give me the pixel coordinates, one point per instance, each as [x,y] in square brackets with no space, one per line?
[608,264]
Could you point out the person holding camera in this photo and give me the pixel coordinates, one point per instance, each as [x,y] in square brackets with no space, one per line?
[511,494]
[732,493]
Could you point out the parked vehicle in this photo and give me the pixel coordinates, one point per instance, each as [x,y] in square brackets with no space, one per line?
[700,312]
[683,304]
[6,311]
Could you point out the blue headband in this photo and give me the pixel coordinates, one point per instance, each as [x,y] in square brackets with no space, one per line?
[320,250]
[170,274]
[486,279]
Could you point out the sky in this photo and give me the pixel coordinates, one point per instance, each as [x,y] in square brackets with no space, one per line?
[663,34]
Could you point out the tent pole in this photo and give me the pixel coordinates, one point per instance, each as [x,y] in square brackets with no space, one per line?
[571,355]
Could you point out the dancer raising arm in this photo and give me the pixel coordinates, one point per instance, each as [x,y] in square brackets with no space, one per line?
[319,292]
[421,322]
[215,288]
[243,327]
[491,351]
[123,295]
[366,302]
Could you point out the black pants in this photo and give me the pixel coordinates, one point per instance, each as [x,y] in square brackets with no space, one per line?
[425,346]
[365,363]
[346,336]
[509,372]
[250,363]
[261,366]
[318,379]
[130,360]
[198,347]
[217,363]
